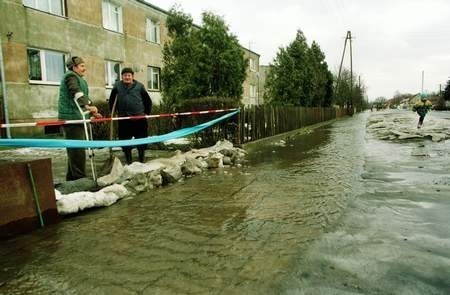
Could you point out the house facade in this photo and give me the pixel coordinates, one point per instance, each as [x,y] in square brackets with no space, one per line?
[38,35]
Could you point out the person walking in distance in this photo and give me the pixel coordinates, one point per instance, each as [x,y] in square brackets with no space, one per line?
[132,100]
[422,107]
[74,90]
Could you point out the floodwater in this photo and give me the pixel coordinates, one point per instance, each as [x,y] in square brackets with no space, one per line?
[330,210]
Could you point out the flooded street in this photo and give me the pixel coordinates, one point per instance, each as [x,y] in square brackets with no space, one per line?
[331,210]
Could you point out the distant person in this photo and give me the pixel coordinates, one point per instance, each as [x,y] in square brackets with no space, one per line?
[132,100]
[74,90]
[422,107]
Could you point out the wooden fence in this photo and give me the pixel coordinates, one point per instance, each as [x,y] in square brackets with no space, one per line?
[252,123]
[259,122]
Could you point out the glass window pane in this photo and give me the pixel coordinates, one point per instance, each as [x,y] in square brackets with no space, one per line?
[153,78]
[106,74]
[155,33]
[112,72]
[109,79]
[54,66]
[115,72]
[109,73]
[56,7]
[112,16]
[34,64]
[105,14]
[114,19]
[147,30]
[119,19]
[43,5]
[157,29]
[152,31]
[29,3]
[155,81]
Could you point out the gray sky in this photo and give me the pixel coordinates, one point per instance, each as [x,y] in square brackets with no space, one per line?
[394,40]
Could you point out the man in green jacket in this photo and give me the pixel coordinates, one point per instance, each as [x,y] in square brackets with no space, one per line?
[74,90]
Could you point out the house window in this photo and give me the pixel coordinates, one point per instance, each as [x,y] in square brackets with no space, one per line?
[252,65]
[253,91]
[50,6]
[112,16]
[112,72]
[153,82]
[152,31]
[45,65]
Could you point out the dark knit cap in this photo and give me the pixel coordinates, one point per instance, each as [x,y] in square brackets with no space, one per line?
[74,61]
[127,70]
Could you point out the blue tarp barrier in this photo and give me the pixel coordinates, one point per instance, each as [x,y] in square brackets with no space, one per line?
[70,143]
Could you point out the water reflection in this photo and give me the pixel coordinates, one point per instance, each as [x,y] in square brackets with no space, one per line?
[290,149]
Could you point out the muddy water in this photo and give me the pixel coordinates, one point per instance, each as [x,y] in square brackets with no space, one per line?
[284,224]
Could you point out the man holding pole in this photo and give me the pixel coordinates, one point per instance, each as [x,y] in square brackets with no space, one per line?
[74,104]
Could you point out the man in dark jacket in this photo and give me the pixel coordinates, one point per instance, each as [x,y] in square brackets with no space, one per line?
[74,90]
[132,100]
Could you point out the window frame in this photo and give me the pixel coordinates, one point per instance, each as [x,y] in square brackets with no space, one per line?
[253,91]
[34,5]
[252,64]
[150,81]
[108,73]
[152,24]
[42,60]
[106,16]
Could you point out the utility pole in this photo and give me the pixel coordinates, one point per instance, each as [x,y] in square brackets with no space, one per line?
[347,37]
[349,34]
[423,73]
[340,67]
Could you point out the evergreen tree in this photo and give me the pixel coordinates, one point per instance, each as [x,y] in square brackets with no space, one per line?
[299,76]
[322,79]
[201,62]
[178,55]
[222,66]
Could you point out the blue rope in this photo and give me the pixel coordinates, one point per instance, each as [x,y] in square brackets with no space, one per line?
[71,143]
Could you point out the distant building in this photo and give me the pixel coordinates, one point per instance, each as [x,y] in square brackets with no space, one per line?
[251,85]
[38,35]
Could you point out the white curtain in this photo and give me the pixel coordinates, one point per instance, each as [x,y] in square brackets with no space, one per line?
[54,65]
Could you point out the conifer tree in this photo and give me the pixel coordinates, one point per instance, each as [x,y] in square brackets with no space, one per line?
[299,76]
[201,61]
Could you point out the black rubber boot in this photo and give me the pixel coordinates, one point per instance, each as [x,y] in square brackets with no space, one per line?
[128,157]
[141,155]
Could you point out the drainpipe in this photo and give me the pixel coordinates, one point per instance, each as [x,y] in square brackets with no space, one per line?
[5,99]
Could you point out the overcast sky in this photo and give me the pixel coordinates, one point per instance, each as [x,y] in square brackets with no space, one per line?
[394,40]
